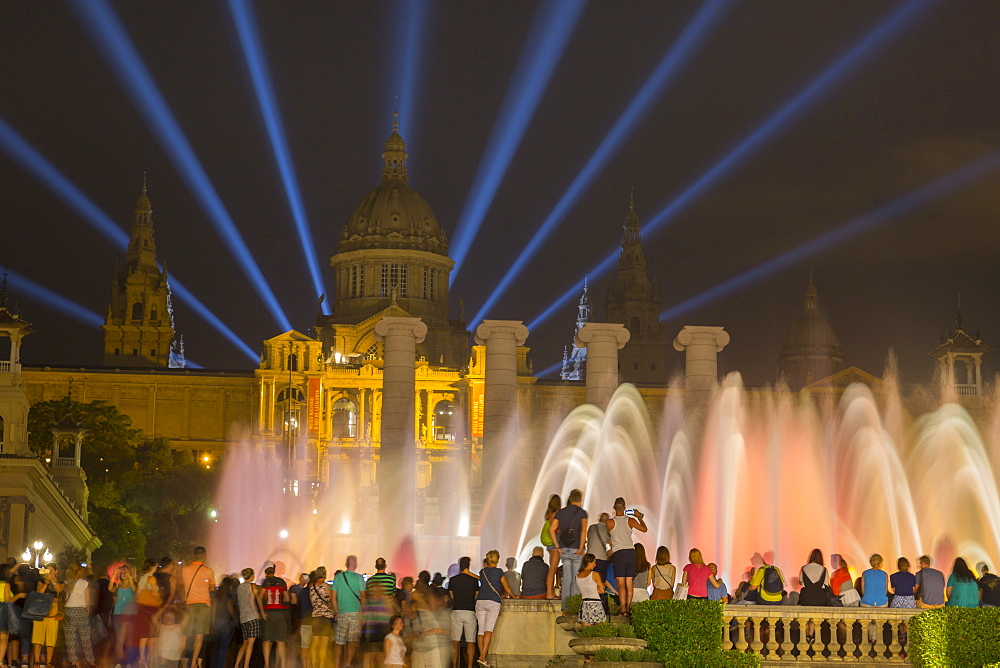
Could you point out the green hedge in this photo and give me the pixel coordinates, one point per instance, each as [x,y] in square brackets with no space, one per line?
[686,633]
[955,637]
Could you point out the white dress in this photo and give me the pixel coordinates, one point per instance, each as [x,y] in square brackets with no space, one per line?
[396,656]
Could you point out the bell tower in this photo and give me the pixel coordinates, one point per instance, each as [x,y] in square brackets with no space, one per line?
[138,328]
[633,301]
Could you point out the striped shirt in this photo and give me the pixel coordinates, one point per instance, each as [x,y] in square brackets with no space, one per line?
[381,585]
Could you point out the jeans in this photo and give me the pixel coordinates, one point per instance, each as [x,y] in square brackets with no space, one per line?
[570,565]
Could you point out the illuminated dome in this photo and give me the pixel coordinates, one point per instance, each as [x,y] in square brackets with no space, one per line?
[812,350]
[393,215]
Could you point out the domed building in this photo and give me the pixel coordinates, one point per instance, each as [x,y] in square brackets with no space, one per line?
[393,254]
[812,350]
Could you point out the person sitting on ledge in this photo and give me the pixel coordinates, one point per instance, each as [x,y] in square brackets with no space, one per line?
[534,574]
[930,585]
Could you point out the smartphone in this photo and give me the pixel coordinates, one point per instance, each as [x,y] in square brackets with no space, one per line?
[630,512]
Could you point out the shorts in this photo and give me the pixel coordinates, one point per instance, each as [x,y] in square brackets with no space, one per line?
[348,628]
[45,632]
[463,621]
[306,633]
[277,626]
[198,619]
[623,562]
[486,615]
[250,629]
[550,548]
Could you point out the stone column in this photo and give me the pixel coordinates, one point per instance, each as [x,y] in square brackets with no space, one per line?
[701,370]
[603,341]
[396,473]
[501,338]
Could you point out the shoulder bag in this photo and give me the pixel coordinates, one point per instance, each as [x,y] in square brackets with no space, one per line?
[37,605]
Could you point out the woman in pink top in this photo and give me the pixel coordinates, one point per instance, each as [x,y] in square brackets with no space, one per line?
[696,575]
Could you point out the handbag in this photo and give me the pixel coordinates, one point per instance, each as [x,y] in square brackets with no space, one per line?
[98,632]
[37,605]
[680,592]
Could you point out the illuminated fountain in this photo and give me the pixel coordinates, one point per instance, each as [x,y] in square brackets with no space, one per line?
[777,473]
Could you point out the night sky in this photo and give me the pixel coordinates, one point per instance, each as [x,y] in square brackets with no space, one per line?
[923,104]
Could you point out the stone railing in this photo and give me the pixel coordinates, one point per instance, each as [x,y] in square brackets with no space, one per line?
[793,634]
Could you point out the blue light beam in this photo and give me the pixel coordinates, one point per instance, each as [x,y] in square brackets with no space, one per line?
[111,39]
[253,52]
[46,173]
[554,24]
[409,32]
[664,74]
[795,107]
[53,300]
[841,234]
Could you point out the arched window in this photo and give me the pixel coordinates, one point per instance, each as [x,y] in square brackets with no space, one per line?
[372,353]
[345,419]
[137,311]
[289,407]
[634,326]
[444,421]
[292,362]
[153,313]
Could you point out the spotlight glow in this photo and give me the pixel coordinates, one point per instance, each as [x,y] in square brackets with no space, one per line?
[835,73]
[46,173]
[554,23]
[657,82]
[246,28]
[863,223]
[111,39]
[20,285]
[409,32]
[549,371]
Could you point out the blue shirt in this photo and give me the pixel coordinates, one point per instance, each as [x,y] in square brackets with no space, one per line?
[490,586]
[875,582]
[903,583]
[717,593]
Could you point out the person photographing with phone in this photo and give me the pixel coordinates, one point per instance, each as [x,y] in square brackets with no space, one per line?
[623,549]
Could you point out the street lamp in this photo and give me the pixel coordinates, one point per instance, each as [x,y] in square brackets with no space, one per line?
[35,552]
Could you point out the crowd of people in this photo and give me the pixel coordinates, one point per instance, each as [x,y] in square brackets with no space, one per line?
[601,560]
[180,614]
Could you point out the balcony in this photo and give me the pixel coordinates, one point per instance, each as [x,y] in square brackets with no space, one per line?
[782,634]
[6,367]
[965,390]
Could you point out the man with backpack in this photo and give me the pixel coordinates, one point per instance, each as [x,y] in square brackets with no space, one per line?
[568,529]
[769,584]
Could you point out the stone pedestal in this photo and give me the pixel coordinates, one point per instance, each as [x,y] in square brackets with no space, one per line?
[603,341]
[396,472]
[701,346]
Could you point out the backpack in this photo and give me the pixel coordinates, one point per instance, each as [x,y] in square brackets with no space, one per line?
[545,537]
[772,581]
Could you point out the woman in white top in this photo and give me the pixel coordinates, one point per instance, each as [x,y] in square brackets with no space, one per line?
[640,583]
[393,645]
[663,574]
[79,602]
[591,587]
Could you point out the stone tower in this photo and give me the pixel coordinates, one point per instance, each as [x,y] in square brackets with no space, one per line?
[633,301]
[812,350]
[574,364]
[138,328]
[960,357]
[392,260]
[13,401]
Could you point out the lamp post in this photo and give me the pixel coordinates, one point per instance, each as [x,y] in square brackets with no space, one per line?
[35,552]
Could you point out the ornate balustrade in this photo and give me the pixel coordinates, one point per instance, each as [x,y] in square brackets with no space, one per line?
[791,634]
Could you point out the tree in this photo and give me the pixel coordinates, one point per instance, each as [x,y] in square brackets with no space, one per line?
[145,499]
